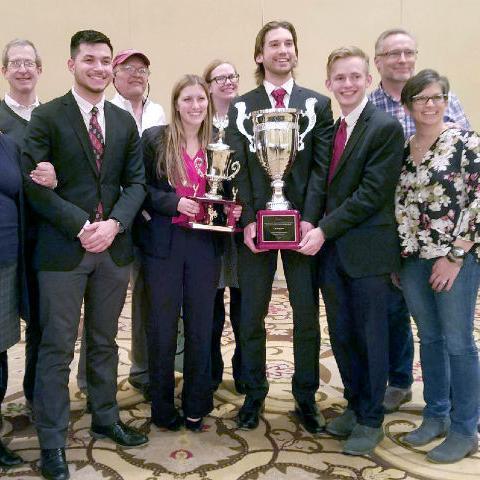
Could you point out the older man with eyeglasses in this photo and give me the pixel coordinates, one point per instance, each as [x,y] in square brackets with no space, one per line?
[395,57]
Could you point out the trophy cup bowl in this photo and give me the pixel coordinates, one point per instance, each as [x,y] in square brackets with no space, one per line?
[276,134]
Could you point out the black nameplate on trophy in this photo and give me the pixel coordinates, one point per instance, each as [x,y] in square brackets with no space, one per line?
[278,229]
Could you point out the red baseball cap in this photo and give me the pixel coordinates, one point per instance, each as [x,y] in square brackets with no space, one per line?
[125,54]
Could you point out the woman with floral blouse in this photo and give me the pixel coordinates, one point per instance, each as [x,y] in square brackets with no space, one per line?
[438,215]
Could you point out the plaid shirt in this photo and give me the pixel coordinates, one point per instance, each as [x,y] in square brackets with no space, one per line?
[382,100]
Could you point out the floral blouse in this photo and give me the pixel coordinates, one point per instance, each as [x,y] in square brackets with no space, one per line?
[438,201]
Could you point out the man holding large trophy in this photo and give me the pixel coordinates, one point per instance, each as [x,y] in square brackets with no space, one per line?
[281,134]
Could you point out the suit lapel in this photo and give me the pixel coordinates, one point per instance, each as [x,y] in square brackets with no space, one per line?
[297,99]
[74,115]
[262,101]
[355,136]
[110,139]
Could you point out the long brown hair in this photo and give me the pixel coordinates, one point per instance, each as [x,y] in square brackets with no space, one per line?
[170,162]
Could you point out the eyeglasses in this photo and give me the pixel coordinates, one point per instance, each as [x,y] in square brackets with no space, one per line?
[131,70]
[16,64]
[397,54]
[423,99]
[222,79]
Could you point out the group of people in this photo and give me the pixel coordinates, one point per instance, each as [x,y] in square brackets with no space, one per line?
[389,204]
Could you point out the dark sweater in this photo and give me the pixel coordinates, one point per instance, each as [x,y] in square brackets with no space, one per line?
[12,124]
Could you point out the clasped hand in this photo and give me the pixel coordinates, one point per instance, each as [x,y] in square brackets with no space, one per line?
[44,175]
[98,236]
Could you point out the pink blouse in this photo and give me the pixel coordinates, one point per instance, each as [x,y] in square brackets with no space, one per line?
[194,179]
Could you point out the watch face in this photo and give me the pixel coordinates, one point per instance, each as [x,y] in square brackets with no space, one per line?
[458,252]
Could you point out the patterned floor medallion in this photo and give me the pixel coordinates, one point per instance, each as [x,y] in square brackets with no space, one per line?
[278,450]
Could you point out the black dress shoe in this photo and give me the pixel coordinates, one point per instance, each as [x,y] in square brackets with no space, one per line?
[119,433]
[310,417]
[8,458]
[53,464]
[248,416]
[194,425]
[174,424]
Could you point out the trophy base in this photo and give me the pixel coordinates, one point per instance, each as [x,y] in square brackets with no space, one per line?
[212,216]
[278,229]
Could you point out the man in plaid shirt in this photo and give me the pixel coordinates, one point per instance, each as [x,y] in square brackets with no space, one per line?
[395,56]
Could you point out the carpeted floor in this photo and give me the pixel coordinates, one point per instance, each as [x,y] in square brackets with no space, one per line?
[279,449]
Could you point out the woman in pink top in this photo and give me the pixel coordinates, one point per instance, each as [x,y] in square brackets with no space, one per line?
[181,265]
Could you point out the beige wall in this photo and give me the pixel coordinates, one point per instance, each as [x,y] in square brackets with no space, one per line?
[182,36]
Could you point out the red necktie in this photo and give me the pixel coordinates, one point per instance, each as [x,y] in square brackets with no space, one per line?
[278,95]
[98,145]
[338,148]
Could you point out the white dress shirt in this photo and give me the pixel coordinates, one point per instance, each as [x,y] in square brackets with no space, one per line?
[86,111]
[21,110]
[152,114]
[288,86]
[352,118]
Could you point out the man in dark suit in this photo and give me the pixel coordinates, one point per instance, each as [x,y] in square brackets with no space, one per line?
[83,248]
[276,56]
[359,247]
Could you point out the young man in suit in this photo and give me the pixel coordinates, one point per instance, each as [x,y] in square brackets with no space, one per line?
[83,249]
[276,57]
[359,247]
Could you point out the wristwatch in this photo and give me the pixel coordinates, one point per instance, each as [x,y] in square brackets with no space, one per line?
[456,255]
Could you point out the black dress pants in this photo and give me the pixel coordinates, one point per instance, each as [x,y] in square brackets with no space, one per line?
[256,273]
[188,276]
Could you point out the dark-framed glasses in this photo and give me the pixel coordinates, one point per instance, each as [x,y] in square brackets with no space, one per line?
[16,64]
[222,79]
[397,54]
[131,70]
[424,99]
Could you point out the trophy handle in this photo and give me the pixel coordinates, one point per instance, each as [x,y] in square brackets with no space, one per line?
[241,117]
[198,164]
[312,119]
[235,168]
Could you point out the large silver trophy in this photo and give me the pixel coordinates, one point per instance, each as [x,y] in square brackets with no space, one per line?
[216,212]
[275,140]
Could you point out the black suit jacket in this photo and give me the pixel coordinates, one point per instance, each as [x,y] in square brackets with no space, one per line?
[57,133]
[153,225]
[303,183]
[359,201]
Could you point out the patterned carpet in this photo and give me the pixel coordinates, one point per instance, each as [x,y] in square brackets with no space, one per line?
[279,449]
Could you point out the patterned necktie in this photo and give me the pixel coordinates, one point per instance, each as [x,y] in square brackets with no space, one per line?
[98,145]
[278,95]
[338,148]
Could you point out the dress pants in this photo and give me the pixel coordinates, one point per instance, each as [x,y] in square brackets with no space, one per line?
[400,341]
[358,325]
[256,273]
[218,324]
[103,285]
[187,277]
[139,351]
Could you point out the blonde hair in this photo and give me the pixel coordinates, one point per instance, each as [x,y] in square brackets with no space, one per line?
[170,161]
[346,52]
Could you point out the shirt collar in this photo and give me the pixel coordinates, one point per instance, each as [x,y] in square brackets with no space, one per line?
[352,118]
[270,87]
[12,103]
[119,99]
[85,106]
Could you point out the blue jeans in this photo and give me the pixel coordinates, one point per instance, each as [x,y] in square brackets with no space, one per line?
[448,352]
